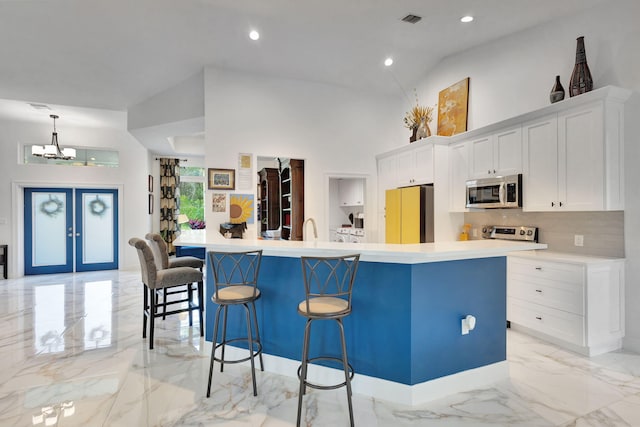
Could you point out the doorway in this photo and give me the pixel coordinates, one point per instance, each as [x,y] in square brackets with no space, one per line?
[67,229]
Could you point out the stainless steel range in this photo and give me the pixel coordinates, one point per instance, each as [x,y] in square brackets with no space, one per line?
[510,232]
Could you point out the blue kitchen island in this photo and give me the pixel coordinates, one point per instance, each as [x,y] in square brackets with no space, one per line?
[404,334]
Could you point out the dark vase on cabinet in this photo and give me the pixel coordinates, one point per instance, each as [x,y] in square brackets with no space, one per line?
[292,199]
[557,91]
[581,81]
[268,200]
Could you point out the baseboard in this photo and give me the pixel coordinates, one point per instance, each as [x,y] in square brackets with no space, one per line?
[631,344]
[388,390]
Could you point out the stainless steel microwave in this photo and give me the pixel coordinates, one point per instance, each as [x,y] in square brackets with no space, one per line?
[496,192]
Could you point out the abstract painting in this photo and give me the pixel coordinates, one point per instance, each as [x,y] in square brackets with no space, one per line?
[452,108]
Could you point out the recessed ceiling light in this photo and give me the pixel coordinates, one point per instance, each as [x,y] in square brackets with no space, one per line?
[254,35]
[467,18]
[388,62]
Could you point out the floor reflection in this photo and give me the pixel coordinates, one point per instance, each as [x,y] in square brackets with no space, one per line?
[67,314]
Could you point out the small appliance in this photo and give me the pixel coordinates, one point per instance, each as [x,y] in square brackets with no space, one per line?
[496,192]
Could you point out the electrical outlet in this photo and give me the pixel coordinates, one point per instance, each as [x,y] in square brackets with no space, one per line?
[474,232]
[578,240]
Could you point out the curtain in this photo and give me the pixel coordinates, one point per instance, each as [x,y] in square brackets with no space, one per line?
[169,200]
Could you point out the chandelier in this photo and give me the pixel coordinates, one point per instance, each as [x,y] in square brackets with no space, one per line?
[53,151]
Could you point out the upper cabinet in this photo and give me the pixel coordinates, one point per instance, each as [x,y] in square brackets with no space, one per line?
[569,165]
[499,153]
[415,166]
[351,192]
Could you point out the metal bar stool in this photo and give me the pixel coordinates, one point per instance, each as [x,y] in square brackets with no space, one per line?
[328,283]
[235,276]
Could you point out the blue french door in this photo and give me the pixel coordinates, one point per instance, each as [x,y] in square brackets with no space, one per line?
[57,234]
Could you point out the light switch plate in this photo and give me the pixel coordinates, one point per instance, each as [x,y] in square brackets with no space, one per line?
[578,240]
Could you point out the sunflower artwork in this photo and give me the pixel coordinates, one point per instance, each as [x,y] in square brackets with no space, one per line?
[241,208]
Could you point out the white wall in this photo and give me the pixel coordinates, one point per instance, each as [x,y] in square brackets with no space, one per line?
[514,75]
[130,178]
[332,128]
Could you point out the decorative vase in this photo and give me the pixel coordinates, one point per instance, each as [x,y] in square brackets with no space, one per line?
[581,80]
[423,130]
[413,136]
[557,91]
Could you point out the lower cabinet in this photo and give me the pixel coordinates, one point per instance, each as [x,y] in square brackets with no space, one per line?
[574,301]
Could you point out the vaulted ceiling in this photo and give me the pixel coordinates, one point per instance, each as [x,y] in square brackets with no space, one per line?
[114,54]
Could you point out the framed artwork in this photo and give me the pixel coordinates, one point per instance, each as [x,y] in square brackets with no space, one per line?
[221,179]
[150,204]
[219,202]
[452,108]
[150,183]
[241,208]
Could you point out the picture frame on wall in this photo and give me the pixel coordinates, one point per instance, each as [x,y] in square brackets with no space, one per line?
[150,204]
[150,183]
[221,179]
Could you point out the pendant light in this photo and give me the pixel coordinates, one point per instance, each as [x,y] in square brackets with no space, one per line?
[53,151]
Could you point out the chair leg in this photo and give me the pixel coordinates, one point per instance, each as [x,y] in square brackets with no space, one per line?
[255,318]
[164,303]
[145,308]
[345,364]
[201,307]
[224,336]
[213,347]
[152,318]
[250,340]
[303,373]
[190,303]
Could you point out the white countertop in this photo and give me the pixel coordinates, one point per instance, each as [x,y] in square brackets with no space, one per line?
[373,252]
[565,257]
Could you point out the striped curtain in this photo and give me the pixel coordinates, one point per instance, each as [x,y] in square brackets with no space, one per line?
[169,200]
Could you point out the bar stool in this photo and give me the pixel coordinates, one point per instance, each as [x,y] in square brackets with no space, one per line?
[157,280]
[235,276]
[328,283]
[161,255]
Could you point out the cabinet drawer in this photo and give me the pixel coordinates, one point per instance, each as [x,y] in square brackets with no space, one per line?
[551,293]
[569,273]
[568,327]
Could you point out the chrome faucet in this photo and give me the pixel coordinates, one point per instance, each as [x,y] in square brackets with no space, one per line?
[315,228]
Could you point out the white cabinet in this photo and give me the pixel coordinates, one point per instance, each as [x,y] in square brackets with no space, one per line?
[570,164]
[497,154]
[415,166]
[574,301]
[351,192]
[458,175]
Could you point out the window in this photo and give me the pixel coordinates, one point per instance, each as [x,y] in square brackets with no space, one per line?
[84,157]
[192,182]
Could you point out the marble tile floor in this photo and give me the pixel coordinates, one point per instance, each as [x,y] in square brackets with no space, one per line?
[72,354]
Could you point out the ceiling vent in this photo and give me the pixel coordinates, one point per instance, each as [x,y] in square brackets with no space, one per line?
[40,106]
[412,19]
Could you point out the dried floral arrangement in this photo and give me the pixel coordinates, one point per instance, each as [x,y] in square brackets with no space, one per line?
[414,116]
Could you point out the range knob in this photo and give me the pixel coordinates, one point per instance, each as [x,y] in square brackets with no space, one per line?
[529,233]
[522,232]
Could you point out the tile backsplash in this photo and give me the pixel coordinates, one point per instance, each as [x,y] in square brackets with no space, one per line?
[603,231]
